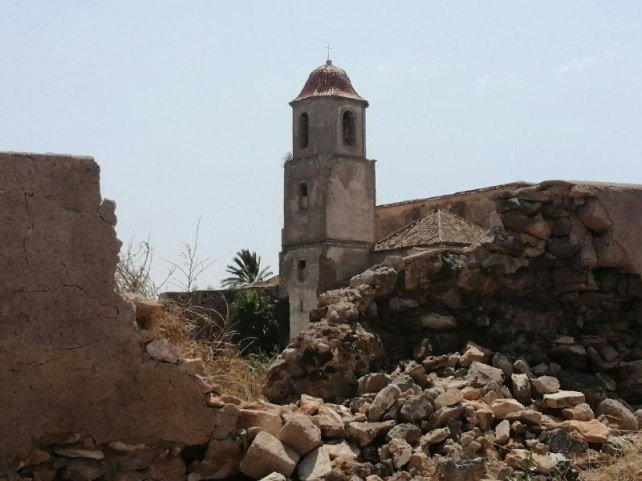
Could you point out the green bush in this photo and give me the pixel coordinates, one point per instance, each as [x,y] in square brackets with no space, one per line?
[254,323]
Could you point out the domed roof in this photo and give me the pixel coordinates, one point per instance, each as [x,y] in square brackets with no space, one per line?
[329,81]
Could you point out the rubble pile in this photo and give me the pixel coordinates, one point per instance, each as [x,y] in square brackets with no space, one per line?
[469,415]
[558,281]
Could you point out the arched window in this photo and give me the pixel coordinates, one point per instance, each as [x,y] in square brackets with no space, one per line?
[303,196]
[303,131]
[349,128]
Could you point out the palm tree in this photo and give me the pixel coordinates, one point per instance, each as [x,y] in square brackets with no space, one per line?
[245,269]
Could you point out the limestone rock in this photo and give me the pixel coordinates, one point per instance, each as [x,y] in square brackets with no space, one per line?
[373,382]
[435,436]
[569,444]
[579,412]
[162,350]
[342,450]
[416,408]
[315,465]
[521,388]
[502,407]
[406,431]
[264,416]
[472,354]
[563,399]
[79,453]
[330,423]
[462,470]
[545,384]
[448,398]
[617,414]
[441,417]
[398,450]
[364,433]
[266,455]
[591,431]
[274,477]
[222,459]
[301,434]
[438,322]
[383,401]
[483,373]
[502,432]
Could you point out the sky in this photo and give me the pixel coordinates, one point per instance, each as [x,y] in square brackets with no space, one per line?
[184,104]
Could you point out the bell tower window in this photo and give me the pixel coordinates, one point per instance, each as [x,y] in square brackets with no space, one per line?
[303,131]
[349,128]
[303,196]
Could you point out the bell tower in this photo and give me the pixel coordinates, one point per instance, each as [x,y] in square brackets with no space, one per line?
[329,192]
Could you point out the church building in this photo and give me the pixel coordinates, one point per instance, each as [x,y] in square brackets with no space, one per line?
[333,227]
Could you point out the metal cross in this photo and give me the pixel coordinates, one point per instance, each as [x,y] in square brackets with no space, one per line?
[328,48]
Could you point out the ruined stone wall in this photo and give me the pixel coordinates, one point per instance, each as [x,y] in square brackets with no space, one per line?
[557,284]
[476,206]
[73,361]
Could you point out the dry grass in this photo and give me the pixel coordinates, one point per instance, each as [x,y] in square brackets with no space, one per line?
[626,467]
[196,334]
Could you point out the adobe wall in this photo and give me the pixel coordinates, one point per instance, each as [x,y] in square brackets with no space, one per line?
[72,359]
[475,206]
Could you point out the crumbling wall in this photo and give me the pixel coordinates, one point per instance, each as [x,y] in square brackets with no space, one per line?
[476,206]
[72,358]
[558,284]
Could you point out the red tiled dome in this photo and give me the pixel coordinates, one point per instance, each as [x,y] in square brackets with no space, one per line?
[329,81]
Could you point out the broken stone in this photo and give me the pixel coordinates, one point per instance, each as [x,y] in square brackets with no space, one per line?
[79,453]
[373,382]
[398,450]
[521,388]
[617,414]
[437,321]
[222,459]
[315,465]
[162,350]
[472,354]
[448,398]
[563,399]
[383,401]
[301,434]
[441,417]
[460,470]
[545,384]
[38,456]
[502,407]
[502,432]
[416,408]
[192,366]
[364,433]
[435,436]
[592,431]
[273,477]
[569,444]
[330,423]
[408,432]
[266,455]
[261,416]
[483,373]
[342,450]
[579,412]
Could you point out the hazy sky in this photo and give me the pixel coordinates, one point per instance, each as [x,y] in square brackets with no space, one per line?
[184,104]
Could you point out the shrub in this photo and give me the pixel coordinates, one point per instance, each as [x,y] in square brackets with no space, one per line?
[254,323]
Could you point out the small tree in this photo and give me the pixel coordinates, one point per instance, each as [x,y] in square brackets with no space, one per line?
[245,270]
[253,322]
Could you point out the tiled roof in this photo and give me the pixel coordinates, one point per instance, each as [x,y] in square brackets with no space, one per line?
[329,81]
[436,228]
